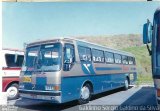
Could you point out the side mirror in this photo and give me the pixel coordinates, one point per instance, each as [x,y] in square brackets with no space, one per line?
[67,64]
[147,32]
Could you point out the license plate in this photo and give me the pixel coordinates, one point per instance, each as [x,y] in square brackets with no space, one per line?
[33,96]
[27,79]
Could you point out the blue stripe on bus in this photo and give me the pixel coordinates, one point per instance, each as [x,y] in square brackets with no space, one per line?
[108,68]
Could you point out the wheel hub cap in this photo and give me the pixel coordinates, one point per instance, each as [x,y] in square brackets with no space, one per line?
[12,91]
[85,93]
[126,83]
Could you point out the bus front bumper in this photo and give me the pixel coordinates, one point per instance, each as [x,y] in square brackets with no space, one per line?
[52,96]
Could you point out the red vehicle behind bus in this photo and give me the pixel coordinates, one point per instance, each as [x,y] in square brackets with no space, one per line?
[11,67]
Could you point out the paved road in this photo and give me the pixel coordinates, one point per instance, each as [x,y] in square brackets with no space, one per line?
[137,98]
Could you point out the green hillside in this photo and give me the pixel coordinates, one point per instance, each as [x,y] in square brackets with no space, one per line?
[143,62]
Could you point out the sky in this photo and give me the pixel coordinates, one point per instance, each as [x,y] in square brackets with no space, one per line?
[27,22]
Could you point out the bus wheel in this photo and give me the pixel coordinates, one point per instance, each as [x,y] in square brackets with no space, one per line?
[85,94]
[12,91]
[126,84]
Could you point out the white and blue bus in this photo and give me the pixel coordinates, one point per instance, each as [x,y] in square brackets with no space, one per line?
[62,70]
[151,34]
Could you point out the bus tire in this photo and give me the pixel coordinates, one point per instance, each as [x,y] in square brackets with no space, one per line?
[85,94]
[12,91]
[126,84]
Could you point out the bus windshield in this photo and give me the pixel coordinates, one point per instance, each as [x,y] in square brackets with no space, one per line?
[44,57]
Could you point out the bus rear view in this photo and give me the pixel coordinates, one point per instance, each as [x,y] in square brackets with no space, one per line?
[151,34]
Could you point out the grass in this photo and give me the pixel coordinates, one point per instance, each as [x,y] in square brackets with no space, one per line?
[144,80]
[143,62]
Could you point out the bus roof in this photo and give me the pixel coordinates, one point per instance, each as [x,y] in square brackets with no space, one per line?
[157,10]
[11,49]
[74,39]
[43,41]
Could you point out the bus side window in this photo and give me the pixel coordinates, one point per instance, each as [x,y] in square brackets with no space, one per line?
[19,61]
[10,60]
[131,60]
[109,57]
[124,59]
[69,57]
[13,60]
[118,58]
[84,53]
[98,56]
[134,61]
